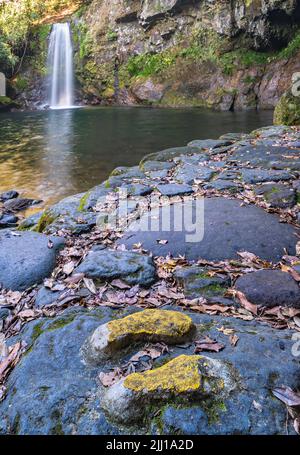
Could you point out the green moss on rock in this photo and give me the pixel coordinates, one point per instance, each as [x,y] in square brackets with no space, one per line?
[287,111]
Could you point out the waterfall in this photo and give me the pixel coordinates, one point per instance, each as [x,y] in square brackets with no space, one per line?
[60,66]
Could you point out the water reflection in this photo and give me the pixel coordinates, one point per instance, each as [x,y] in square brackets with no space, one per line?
[52,154]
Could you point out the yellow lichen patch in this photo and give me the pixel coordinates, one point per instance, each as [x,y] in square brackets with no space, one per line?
[158,323]
[180,375]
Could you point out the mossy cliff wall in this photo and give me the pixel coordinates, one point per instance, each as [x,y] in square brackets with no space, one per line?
[224,54]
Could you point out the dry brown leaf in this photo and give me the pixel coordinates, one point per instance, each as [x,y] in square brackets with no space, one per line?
[90,285]
[245,303]
[207,344]
[287,396]
[69,267]
[234,339]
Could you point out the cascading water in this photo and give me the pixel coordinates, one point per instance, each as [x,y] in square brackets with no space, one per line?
[60,65]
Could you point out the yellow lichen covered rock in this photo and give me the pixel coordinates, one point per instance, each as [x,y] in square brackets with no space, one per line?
[178,376]
[148,325]
[187,379]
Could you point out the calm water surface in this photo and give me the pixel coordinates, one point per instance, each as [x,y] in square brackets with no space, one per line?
[52,154]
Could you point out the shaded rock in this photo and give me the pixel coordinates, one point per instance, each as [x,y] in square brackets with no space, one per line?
[233,137]
[150,325]
[189,378]
[187,174]
[197,282]
[227,227]
[287,110]
[210,143]
[268,157]
[270,288]
[173,189]
[16,205]
[137,189]
[89,200]
[46,297]
[26,258]
[31,221]
[223,185]
[278,196]
[8,195]
[8,220]
[260,175]
[133,268]
[148,91]
[169,154]
[4,313]
[133,172]
[155,9]
[70,403]
[157,165]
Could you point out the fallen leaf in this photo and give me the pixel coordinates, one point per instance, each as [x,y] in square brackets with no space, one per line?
[207,344]
[287,396]
[162,242]
[120,284]
[90,285]
[69,267]
[245,302]
[257,406]
[234,339]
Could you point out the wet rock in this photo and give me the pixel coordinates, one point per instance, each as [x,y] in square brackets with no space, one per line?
[19,204]
[268,157]
[270,288]
[46,297]
[227,228]
[223,185]
[8,195]
[287,111]
[137,189]
[70,403]
[204,144]
[26,258]
[187,378]
[278,196]
[92,197]
[133,172]
[173,189]
[146,326]
[148,91]
[187,174]
[4,313]
[169,154]
[157,165]
[105,265]
[197,282]
[8,220]
[260,175]
[31,221]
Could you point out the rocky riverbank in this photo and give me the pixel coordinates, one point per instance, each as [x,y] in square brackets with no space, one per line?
[72,275]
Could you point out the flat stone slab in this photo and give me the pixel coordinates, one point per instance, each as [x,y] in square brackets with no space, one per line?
[197,282]
[106,265]
[268,157]
[174,189]
[270,288]
[26,258]
[186,377]
[261,175]
[228,228]
[149,326]
[277,195]
[186,174]
[62,394]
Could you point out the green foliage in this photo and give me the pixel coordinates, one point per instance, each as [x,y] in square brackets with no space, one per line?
[292,48]
[112,35]
[150,64]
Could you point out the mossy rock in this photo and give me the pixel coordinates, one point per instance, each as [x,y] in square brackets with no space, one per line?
[149,325]
[186,379]
[287,111]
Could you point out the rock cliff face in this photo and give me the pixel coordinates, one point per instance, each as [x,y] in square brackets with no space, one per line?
[224,54]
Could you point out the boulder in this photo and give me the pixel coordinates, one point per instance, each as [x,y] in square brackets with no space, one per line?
[216,233]
[26,258]
[270,288]
[186,378]
[197,282]
[287,110]
[106,265]
[146,326]
[62,394]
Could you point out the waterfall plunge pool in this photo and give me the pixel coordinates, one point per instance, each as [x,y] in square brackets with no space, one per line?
[52,154]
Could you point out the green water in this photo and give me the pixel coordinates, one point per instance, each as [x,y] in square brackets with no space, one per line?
[52,154]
